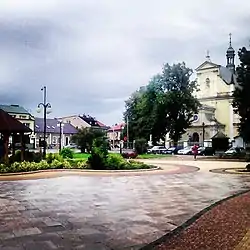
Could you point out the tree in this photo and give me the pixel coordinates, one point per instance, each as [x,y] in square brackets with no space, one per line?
[241,100]
[85,138]
[165,105]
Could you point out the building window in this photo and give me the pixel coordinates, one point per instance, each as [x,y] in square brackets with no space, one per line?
[54,140]
[14,116]
[27,125]
[23,116]
[207,82]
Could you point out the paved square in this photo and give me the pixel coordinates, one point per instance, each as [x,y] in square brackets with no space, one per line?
[105,212]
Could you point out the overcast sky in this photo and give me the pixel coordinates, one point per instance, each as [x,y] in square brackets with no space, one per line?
[92,54]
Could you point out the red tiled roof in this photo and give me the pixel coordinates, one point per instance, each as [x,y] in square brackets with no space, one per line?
[11,125]
[117,127]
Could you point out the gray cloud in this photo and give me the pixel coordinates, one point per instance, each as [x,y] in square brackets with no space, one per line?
[92,54]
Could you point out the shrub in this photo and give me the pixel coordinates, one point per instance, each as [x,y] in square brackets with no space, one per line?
[67,153]
[56,164]
[141,146]
[115,162]
[28,156]
[99,154]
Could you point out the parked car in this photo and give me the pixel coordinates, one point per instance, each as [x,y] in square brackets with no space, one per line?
[157,150]
[185,151]
[206,151]
[72,146]
[173,150]
[131,154]
[235,151]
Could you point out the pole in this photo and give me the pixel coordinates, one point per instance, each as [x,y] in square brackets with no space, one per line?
[60,136]
[44,120]
[203,133]
[113,137]
[127,134]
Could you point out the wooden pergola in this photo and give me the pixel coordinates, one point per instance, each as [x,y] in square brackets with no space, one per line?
[10,126]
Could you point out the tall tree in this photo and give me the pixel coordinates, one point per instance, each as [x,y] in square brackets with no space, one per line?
[241,101]
[86,136]
[178,99]
[165,105]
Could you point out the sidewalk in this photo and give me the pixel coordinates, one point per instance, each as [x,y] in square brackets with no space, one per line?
[225,226]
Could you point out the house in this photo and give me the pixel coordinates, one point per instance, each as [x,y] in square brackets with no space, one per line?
[23,116]
[53,131]
[83,121]
[114,134]
[216,84]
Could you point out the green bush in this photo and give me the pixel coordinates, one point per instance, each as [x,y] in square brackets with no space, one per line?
[28,156]
[67,153]
[99,154]
[115,162]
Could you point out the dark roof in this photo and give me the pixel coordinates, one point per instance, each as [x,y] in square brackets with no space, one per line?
[227,75]
[11,124]
[90,120]
[14,109]
[53,126]
[219,135]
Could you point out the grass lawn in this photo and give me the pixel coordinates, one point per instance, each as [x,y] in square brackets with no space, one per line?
[152,156]
[143,156]
[81,156]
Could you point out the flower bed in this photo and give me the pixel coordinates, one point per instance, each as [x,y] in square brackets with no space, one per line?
[56,161]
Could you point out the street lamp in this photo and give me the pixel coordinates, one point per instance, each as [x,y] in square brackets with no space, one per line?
[60,125]
[127,134]
[203,133]
[46,110]
[121,144]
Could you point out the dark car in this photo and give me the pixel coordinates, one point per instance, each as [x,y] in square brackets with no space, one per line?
[173,150]
[130,154]
[206,151]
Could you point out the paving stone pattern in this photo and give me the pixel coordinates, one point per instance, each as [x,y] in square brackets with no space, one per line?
[105,212]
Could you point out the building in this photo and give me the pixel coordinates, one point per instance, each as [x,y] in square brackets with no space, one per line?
[53,132]
[25,117]
[83,121]
[114,134]
[216,85]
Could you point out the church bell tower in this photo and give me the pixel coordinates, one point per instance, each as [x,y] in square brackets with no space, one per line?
[230,55]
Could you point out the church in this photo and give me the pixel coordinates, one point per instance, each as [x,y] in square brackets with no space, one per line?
[216,84]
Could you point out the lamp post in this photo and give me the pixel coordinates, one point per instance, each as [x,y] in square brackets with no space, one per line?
[46,110]
[121,134]
[203,133]
[127,134]
[113,137]
[60,125]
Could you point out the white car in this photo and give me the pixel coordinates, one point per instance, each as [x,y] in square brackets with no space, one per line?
[157,150]
[185,151]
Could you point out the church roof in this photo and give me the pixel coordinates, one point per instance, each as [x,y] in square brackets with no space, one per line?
[212,65]
[227,75]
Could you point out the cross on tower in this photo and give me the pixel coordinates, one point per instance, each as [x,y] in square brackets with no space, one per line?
[230,39]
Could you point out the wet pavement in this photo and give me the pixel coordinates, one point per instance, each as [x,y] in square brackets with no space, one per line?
[105,212]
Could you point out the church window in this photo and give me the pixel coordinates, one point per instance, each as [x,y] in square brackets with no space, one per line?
[208,82]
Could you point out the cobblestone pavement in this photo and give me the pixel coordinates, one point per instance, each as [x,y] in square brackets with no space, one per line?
[107,212]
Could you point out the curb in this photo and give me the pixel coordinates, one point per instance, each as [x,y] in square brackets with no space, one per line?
[80,170]
[189,222]
[224,171]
